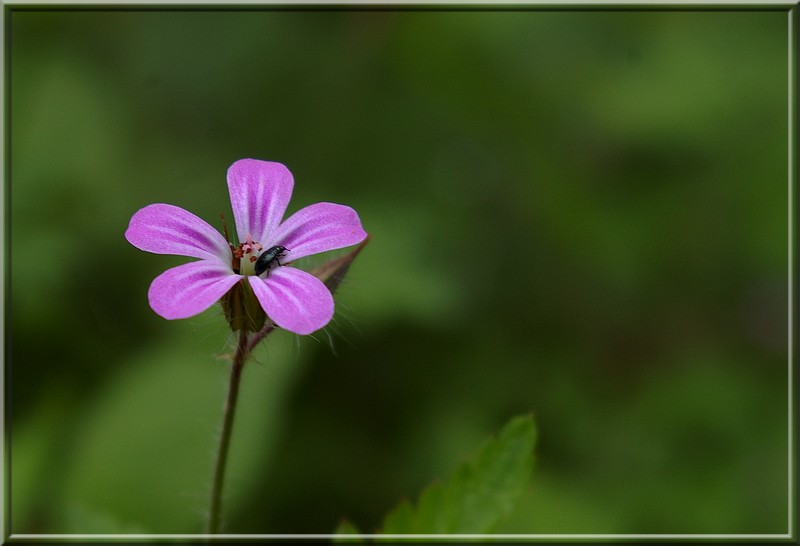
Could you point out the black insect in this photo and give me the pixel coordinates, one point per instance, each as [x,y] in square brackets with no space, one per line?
[269,257]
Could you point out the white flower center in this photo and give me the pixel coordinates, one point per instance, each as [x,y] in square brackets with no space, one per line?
[246,254]
[247,266]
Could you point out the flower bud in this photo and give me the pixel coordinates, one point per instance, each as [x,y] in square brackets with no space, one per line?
[333,271]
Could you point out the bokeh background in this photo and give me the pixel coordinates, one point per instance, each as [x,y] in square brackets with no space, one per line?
[576,214]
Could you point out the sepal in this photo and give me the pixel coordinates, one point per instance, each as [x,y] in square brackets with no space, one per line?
[242,310]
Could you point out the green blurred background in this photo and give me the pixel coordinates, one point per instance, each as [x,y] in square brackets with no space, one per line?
[579,215]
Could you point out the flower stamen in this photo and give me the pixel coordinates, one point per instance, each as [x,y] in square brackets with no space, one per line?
[249,248]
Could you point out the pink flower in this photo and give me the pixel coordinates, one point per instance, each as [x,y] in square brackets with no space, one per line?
[260,190]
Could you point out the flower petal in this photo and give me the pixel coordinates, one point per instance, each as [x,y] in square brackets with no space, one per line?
[190,288]
[295,300]
[317,228]
[167,229]
[260,192]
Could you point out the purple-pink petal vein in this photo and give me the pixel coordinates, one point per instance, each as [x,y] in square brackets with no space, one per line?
[296,300]
[260,192]
[190,289]
[318,228]
[167,229]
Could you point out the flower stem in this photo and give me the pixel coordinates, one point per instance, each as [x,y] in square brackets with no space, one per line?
[242,351]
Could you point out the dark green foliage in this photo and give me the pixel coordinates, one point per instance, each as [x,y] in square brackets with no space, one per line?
[577,213]
[479,494]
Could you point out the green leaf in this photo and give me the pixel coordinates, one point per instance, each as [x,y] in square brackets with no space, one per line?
[482,493]
[346,528]
[479,494]
[399,519]
[432,511]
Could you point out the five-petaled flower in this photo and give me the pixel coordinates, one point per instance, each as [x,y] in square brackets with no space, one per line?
[260,190]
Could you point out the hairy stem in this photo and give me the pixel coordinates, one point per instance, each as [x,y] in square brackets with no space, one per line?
[242,351]
[268,328]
